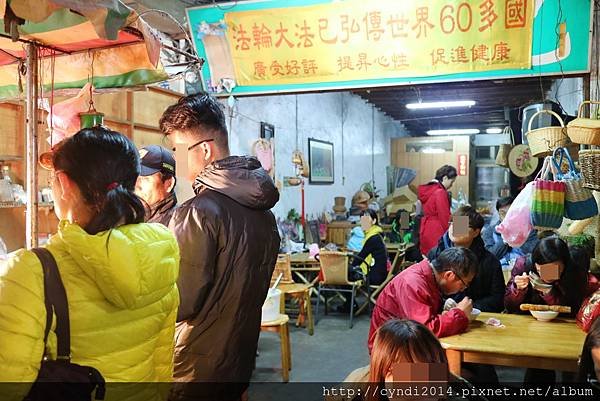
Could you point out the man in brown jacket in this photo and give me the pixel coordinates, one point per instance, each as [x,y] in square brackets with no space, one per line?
[229,243]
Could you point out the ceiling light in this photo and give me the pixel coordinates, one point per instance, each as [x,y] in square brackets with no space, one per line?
[493,131]
[433,150]
[455,131]
[440,105]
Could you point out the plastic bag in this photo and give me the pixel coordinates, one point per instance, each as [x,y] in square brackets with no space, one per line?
[516,226]
[65,115]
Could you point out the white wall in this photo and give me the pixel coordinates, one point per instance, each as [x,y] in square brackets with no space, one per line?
[568,92]
[319,117]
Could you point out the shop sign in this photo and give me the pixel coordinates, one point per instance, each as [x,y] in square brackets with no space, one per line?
[463,165]
[357,40]
[308,45]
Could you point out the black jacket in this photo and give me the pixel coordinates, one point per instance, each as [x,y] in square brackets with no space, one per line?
[162,211]
[229,242]
[376,247]
[487,288]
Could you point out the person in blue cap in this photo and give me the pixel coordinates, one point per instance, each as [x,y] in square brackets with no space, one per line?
[156,183]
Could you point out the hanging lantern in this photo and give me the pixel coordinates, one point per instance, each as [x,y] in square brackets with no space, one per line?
[91,118]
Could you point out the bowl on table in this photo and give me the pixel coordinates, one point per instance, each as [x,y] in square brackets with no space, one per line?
[474,314]
[538,284]
[544,316]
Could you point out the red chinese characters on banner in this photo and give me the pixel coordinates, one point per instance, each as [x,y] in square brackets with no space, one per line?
[488,15]
[364,62]
[463,165]
[262,37]
[287,68]
[242,40]
[516,13]
[422,22]
[377,26]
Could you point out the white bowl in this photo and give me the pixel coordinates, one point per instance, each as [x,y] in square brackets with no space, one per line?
[474,313]
[544,316]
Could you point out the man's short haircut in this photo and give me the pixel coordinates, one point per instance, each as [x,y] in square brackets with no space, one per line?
[459,260]
[200,115]
[475,219]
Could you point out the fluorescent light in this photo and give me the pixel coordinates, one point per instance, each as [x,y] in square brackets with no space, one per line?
[441,105]
[433,150]
[493,131]
[455,131]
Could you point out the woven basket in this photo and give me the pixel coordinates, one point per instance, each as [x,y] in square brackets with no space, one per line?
[543,141]
[548,199]
[505,148]
[580,203]
[589,164]
[584,130]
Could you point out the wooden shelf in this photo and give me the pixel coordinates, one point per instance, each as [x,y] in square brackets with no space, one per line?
[9,158]
[13,205]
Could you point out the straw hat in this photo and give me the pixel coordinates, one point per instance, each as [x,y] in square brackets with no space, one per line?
[361,197]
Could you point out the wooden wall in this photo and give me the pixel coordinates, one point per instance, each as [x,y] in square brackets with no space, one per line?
[427,164]
[134,114]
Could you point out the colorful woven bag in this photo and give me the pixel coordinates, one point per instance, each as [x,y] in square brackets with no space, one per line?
[548,204]
[580,203]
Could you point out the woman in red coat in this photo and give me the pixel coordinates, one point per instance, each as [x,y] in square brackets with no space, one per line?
[436,208]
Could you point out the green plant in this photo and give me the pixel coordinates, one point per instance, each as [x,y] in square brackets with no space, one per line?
[369,188]
[582,240]
[293,216]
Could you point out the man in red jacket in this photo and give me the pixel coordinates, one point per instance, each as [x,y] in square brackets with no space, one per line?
[417,292]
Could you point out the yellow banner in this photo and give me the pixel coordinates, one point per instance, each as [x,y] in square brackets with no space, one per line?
[358,40]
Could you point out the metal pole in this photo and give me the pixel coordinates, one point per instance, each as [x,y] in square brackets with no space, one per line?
[31,230]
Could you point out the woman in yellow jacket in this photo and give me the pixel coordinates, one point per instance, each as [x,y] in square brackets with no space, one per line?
[119,275]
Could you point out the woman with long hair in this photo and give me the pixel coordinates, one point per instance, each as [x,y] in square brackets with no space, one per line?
[399,341]
[435,203]
[564,282]
[119,275]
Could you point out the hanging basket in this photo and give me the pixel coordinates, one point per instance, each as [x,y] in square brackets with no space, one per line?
[580,203]
[543,141]
[582,130]
[505,148]
[589,164]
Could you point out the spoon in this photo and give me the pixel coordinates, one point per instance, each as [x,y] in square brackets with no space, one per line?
[277,280]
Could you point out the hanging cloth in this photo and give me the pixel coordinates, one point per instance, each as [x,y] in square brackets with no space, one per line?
[264,153]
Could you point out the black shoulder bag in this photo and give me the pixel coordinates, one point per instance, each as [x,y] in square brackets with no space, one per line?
[60,379]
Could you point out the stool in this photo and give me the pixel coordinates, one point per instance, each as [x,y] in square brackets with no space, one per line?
[301,292]
[280,326]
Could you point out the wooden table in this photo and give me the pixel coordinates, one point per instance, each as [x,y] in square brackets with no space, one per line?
[525,342]
[303,265]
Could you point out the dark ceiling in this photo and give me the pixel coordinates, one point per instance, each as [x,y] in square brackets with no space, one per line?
[489,112]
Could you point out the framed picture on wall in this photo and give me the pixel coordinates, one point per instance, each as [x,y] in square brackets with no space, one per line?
[320,160]
[267,130]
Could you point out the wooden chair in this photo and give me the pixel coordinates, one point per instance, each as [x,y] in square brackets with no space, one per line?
[295,291]
[280,326]
[375,290]
[395,269]
[334,266]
